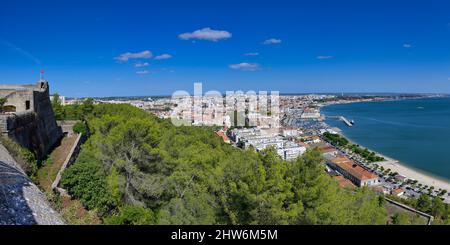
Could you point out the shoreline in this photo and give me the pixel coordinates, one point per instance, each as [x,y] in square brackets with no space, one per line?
[382,100]
[422,176]
[410,172]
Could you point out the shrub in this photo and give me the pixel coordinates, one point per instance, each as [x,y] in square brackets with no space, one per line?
[80,128]
[86,181]
[132,215]
[24,157]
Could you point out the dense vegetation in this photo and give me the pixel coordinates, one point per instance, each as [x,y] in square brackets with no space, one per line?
[338,140]
[335,139]
[370,156]
[80,128]
[138,169]
[425,203]
[24,157]
[76,111]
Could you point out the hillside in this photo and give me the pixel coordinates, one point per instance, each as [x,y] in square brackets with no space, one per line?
[138,169]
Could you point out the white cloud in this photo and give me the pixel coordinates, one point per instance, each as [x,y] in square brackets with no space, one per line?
[142,72]
[139,65]
[272,41]
[163,57]
[206,34]
[407,45]
[324,57]
[128,56]
[252,54]
[244,66]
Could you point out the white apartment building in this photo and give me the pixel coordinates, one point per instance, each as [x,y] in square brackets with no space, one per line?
[287,150]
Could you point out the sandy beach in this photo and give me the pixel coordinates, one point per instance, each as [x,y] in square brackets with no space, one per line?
[411,173]
[403,169]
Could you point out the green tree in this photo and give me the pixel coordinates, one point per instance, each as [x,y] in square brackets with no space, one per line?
[74,112]
[86,181]
[437,207]
[134,163]
[80,128]
[87,106]
[194,207]
[424,203]
[132,215]
[401,219]
[57,107]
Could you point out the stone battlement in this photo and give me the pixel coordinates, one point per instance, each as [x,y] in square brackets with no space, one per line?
[28,117]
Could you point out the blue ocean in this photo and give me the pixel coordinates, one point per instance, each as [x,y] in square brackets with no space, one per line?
[416,132]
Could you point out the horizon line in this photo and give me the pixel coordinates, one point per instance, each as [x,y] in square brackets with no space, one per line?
[281,94]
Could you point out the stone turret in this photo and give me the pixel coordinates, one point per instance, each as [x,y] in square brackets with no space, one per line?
[28,117]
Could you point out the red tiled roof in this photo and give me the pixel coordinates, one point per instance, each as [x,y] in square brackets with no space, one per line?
[352,168]
[223,136]
[343,182]
[302,144]
[327,149]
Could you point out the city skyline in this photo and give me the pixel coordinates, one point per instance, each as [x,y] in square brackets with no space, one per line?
[92,49]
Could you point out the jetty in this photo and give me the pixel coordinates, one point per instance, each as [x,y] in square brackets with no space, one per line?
[342,118]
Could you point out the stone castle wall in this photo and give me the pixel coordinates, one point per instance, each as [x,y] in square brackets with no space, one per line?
[49,133]
[35,129]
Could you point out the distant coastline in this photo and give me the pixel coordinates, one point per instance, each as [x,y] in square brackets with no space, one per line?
[403,168]
[160,96]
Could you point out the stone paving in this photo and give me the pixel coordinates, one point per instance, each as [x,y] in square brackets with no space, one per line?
[21,201]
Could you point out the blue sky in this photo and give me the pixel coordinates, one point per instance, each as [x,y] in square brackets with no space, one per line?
[111,48]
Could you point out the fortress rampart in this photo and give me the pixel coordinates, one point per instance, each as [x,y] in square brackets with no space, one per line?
[28,117]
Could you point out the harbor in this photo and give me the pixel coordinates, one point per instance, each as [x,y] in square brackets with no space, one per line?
[383,127]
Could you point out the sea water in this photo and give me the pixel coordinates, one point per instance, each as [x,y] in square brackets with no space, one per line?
[415,132]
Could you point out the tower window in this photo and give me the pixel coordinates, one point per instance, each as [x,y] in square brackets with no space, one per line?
[27,105]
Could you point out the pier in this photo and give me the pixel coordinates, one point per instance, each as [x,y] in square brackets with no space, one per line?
[342,118]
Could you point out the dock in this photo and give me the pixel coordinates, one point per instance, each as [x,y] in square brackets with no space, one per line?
[342,118]
[346,121]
